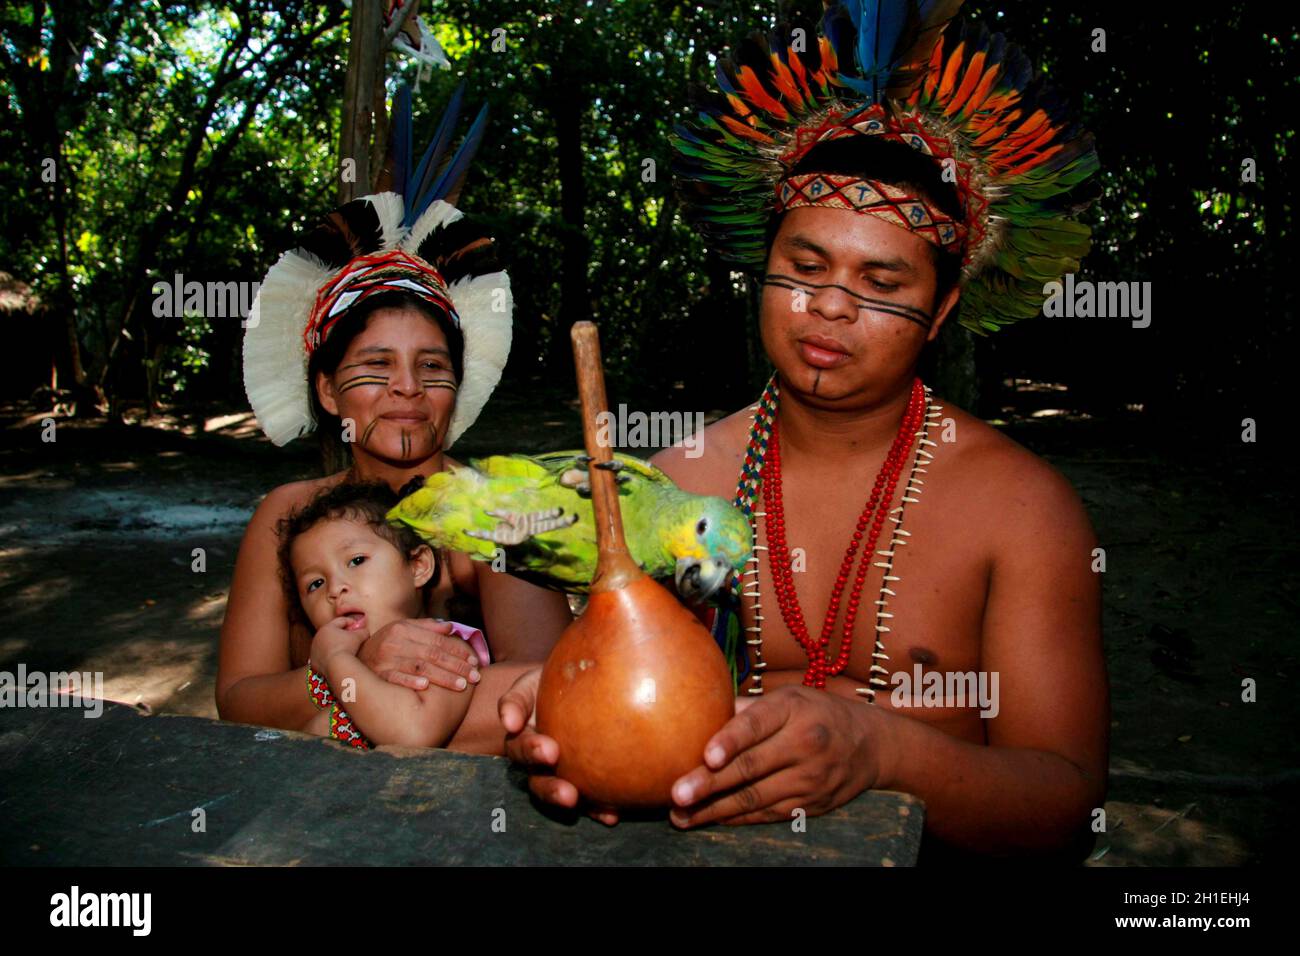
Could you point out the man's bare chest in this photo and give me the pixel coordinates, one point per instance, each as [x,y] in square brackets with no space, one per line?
[920,601]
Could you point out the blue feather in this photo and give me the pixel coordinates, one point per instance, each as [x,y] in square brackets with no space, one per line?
[888,33]
[402,126]
[415,195]
[878,33]
[449,182]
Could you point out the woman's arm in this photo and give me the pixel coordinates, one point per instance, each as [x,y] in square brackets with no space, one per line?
[522,621]
[386,713]
[255,684]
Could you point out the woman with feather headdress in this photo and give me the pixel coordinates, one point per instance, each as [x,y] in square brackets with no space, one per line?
[385,331]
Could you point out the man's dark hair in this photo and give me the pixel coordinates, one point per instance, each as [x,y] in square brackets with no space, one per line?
[367,502]
[888,161]
[335,454]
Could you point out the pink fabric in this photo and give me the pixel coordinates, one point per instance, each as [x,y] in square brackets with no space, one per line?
[474,637]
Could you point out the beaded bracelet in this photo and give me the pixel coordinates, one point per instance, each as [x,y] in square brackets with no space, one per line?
[318,689]
[341,725]
[342,728]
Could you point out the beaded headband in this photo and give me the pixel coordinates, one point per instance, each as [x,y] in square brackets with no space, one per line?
[364,276]
[891,203]
[870,197]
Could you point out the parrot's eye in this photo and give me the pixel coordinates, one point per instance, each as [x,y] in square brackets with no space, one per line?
[702,527]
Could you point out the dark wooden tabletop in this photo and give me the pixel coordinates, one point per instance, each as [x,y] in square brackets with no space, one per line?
[123,789]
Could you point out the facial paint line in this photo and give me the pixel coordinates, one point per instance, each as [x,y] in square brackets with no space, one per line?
[360,380]
[911,313]
[439,383]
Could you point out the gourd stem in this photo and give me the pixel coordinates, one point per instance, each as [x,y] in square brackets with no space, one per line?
[614,565]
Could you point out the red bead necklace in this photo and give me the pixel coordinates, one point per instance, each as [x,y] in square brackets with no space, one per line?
[875,512]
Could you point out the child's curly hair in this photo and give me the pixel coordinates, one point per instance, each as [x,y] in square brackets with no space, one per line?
[365,501]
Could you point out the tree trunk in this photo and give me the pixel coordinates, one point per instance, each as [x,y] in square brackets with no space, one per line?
[365,72]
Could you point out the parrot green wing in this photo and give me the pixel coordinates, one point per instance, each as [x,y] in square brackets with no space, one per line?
[510,466]
[558,462]
[501,494]
[449,504]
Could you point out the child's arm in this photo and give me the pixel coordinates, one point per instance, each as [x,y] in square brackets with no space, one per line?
[482,732]
[318,725]
[384,712]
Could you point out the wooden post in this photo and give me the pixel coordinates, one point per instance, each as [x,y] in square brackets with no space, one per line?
[365,71]
[364,136]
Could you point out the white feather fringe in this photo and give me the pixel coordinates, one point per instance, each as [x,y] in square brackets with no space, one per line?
[390,210]
[439,215]
[487,344]
[275,358]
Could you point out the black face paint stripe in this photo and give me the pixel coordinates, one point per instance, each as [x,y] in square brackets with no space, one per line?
[911,313]
[360,380]
[365,435]
[440,383]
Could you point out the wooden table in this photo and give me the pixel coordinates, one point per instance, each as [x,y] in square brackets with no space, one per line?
[122,789]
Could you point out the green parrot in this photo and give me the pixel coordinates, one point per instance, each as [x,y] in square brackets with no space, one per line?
[537,512]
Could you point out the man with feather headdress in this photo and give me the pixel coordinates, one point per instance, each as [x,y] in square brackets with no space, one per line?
[923,612]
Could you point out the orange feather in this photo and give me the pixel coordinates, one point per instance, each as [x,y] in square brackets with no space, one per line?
[1034,161]
[830,63]
[753,87]
[976,101]
[783,80]
[974,71]
[1028,131]
[745,130]
[950,73]
[800,75]
[935,70]
[739,105]
[1003,100]
[1015,152]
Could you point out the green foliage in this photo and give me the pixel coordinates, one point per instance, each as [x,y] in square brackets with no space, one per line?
[198,138]
[192,139]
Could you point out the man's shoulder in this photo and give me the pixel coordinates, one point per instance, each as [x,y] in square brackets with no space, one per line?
[1013,482]
[710,463]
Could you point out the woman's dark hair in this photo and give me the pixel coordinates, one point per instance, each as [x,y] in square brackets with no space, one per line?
[335,455]
[365,501]
[888,161]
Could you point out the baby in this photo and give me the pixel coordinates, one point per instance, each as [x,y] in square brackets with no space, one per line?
[349,573]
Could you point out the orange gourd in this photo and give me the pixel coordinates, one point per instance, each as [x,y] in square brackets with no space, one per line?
[636,686]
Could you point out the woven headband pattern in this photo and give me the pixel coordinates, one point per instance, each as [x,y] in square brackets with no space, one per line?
[364,276]
[892,204]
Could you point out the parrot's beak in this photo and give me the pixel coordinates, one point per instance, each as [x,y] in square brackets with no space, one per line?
[698,579]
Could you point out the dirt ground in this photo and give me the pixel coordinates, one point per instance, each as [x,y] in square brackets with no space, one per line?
[98,530]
